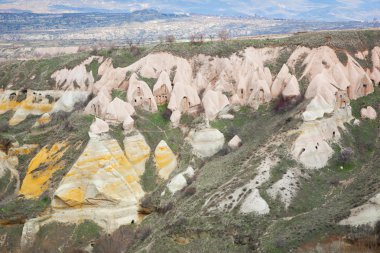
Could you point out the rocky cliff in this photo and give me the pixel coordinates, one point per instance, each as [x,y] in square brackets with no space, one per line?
[264,149]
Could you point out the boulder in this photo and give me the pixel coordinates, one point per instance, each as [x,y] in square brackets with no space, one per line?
[235,142]
[179,182]
[99,126]
[254,203]
[206,142]
[368,113]
[165,159]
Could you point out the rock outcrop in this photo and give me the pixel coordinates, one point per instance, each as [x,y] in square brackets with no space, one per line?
[163,88]
[139,94]
[99,126]
[29,102]
[77,78]
[102,176]
[41,169]
[119,111]
[137,151]
[214,102]
[165,159]
[311,147]
[367,214]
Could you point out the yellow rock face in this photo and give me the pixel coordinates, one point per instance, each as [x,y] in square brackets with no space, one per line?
[166,161]
[43,120]
[137,152]
[41,169]
[23,150]
[102,176]
[26,107]
[33,104]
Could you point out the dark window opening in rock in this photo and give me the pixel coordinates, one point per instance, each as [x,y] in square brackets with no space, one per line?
[133,222]
[303,150]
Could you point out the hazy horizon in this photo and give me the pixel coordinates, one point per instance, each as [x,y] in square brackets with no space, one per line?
[319,10]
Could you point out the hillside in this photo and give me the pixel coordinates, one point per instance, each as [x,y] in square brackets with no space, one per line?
[226,146]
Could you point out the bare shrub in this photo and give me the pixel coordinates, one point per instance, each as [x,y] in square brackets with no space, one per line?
[4,127]
[170,38]
[135,50]
[189,191]
[346,155]
[117,242]
[142,233]
[167,114]
[224,35]
[163,209]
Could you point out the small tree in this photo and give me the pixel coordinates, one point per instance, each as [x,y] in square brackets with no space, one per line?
[211,37]
[224,35]
[170,38]
[130,42]
[346,155]
[201,38]
[192,39]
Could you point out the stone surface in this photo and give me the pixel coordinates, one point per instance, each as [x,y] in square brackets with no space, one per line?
[41,169]
[213,103]
[165,159]
[311,147]
[99,126]
[179,182]
[367,214]
[235,142]
[368,113]
[102,176]
[206,142]
[137,151]
[119,111]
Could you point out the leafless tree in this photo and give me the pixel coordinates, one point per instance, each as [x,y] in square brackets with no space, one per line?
[162,39]
[211,37]
[130,42]
[224,35]
[192,39]
[170,38]
[201,37]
